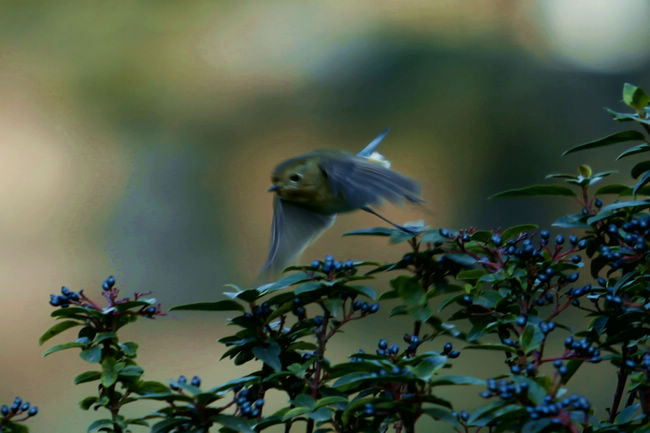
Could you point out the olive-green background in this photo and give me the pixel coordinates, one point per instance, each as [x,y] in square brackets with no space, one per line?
[137,138]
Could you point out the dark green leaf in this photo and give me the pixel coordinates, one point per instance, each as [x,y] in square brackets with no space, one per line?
[87,402]
[304,400]
[60,347]
[130,348]
[99,424]
[366,291]
[109,371]
[640,148]
[635,97]
[641,183]
[87,376]
[57,329]
[618,137]
[458,380]
[322,414]
[333,399]
[428,366]
[625,117]
[92,354]
[13,427]
[513,231]
[234,422]
[536,426]
[574,221]
[640,168]
[270,354]
[226,305]
[166,425]
[531,339]
[132,370]
[307,287]
[614,189]
[410,290]
[535,190]
[285,282]
[627,414]
[352,378]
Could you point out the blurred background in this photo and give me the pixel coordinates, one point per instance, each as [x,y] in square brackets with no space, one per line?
[137,139]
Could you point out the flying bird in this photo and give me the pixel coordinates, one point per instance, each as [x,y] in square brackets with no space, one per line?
[311,189]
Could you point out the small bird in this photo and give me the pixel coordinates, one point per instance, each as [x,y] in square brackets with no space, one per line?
[311,189]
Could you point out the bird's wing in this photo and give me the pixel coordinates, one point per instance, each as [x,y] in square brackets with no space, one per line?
[294,227]
[370,148]
[363,182]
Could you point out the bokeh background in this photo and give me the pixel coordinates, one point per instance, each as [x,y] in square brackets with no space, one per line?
[137,138]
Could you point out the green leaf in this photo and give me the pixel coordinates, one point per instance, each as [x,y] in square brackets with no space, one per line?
[57,329]
[13,427]
[87,376]
[322,414]
[307,287]
[409,290]
[226,305]
[428,366]
[87,402]
[513,231]
[333,399]
[166,425]
[92,354]
[639,148]
[352,378]
[614,189]
[285,282]
[641,183]
[531,339]
[635,97]
[490,346]
[109,371]
[99,424]
[270,354]
[130,348]
[574,221]
[63,346]
[640,168]
[304,400]
[458,380]
[234,422]
[624,117]
[627,414]
[535,190]
[366,291]
[618,137]
[132,370]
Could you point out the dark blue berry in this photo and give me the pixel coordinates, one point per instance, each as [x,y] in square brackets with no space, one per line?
[349,264]
[24,406]
[573,239]
[582,244]
[598,202]
[108,283]
[319,320]
[496,240]
[576,259]
[571,278]
[374,308]
[544,234]
[394,349]
[315,265]
[182,379]
[259,402]
[356,305]
[453,354]
[444,232]
[32,411]
[515,369]
[196,381]
[383,344]
[4,410]
[521,320]
[559,239]
[447,348]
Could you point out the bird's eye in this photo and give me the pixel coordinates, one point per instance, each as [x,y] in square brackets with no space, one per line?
[295,177]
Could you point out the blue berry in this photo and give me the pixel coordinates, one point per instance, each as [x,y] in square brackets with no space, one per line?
[453,354]
[182,379]
[598,202]
[196,381]
[444,232]
[108,283]
[4,410]
[573,239]
[383,344]
[374,308]
[544,234]
[559,239]
[521,320]
[496,240]
[319,320]
[32,411]
[315,265]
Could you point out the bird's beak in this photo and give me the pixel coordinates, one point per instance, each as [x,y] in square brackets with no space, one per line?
[274,188]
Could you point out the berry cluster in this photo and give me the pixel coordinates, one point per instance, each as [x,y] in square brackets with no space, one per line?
[365,307]
[66,297]
[384,350]
[556,409]
[581,349]
[108,283]
[504,389]
[182,380]
[627,242]
[332,267]
[413,342]
[449,351]
[259,312]
[247,404]
[17,408]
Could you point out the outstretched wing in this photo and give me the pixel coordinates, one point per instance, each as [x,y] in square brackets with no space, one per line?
[363,182]
[294,228]
[370,148]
